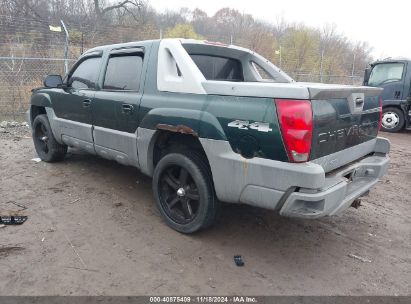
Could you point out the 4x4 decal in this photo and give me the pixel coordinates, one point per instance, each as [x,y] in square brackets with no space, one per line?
[245,125]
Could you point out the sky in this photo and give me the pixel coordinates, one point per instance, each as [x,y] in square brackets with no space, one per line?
[383,24]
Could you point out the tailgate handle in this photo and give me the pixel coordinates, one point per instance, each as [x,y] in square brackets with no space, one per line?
[359,102]
[86,103]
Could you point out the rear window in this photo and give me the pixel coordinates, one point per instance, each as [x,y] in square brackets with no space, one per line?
[219,68]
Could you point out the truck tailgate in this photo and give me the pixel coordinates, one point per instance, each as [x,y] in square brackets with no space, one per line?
[345,119]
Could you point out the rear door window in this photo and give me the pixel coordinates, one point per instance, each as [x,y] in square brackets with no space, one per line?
[123,73]
[219,68]
[86,74]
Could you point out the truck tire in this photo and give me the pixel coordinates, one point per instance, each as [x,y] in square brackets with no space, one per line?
[184,193]
[47,148]
[392,120]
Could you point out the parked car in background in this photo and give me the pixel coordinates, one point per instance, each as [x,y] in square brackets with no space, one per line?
[394,76]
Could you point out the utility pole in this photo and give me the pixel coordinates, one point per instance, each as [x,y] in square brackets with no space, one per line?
[281,56]
[82,41]
[279,52]
[161,33]
[65,47]
[321,66]
[353,69]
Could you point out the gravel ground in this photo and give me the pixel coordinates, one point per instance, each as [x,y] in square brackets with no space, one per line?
[13,130]
[93,229]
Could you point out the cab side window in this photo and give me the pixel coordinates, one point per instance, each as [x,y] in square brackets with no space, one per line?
[86,74]
[123,72]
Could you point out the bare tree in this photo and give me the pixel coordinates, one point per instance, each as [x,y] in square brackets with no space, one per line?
[101,9]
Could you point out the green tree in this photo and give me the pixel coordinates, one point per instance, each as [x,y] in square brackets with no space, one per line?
[182,31]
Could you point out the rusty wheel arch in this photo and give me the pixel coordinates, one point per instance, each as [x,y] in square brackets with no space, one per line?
[183,129]
[172,136]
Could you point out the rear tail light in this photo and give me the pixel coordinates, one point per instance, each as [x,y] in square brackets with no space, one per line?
[379,125]
[296,123]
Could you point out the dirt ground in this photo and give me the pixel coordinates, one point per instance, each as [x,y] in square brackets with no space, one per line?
[93,229]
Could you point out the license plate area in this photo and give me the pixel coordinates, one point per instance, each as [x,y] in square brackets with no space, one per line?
[349,175]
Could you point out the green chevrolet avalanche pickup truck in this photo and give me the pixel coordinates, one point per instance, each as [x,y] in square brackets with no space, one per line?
[214,123]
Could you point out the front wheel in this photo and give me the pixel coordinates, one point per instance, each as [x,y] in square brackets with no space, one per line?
[184,192]
[392,120]
[47,148]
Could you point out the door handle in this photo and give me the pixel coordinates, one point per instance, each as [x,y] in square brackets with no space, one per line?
[359,102]
[127,108]
[86,103]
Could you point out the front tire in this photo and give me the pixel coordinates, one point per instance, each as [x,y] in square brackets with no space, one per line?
[184,192]
[392,120]
[47,148]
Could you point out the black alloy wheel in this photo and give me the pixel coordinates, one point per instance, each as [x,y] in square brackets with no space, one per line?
[41,138]
[184,192]
[179,194]
[47,147]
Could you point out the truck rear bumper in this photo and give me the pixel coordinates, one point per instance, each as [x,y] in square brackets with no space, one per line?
[344,187]
[296,190]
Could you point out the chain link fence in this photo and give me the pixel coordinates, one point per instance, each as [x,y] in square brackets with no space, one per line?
[339,79]
[30,50]
[18,75]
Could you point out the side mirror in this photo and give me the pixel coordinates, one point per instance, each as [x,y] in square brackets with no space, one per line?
[53,81]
